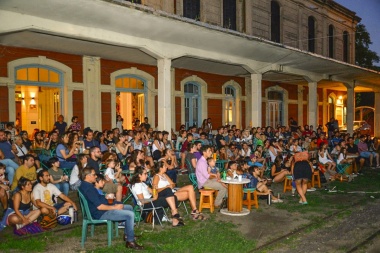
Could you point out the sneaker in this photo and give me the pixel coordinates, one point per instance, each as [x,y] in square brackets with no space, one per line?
[165,218]
[18,226]
[121,224]
[312,189]
[277,201]
[182,170]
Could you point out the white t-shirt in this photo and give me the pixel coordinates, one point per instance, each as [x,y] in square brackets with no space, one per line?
[110,173]
[74,177]
[139,188]
[45,193]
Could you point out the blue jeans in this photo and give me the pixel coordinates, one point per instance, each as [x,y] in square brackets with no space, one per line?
[66,164]
[11,167]
[63,187]
[126,215]
[172,174]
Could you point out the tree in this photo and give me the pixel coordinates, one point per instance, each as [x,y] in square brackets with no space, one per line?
[364,57]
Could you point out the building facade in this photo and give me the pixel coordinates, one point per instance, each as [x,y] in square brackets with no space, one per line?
[242,62]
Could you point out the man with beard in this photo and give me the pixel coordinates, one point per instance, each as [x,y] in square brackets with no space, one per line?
[93,160]
[43,195]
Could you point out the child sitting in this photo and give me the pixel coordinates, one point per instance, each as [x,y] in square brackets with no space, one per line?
[114,180]
[260,184]
[99,183]
[213,171]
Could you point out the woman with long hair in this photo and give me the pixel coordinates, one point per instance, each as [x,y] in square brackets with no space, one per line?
[164,185]
[122,148]
[164,199]
[19,212]
[75,173]
[171,162]
[157,146]
[64,152]
[278,170]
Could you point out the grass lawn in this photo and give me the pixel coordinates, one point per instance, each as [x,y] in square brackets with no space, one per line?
[198,236]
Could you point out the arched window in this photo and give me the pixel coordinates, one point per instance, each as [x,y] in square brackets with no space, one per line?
[38,74]
[331,41]
[275,104]
[345,46]
[191,9]
[192,104]
[229,14]
[39,95]
[229,108]
[275,22]
[311,34]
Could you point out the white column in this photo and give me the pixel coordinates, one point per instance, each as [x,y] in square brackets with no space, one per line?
[376,126]
[350,109]
[313,104]
[248,101]
[324,107]
[164,95]
[92,97]
[300,105]
[11,102]
[256,99]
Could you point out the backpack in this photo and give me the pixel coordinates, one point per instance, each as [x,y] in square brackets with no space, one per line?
[48,221]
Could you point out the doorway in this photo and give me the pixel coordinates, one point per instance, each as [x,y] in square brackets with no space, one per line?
[130,106]
[37,107]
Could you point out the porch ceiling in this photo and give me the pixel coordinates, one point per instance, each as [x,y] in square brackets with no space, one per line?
[144,22]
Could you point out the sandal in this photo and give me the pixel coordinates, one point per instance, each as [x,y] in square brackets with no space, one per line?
[199,217]
[176,216]
[195,211]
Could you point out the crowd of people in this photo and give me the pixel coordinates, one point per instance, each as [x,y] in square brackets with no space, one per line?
[41,170]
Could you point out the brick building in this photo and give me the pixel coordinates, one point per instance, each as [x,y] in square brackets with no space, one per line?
[243,62]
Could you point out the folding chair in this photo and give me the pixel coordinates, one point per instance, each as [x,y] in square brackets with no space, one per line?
[140,205]
[193,180]
[88,220]
[341,168]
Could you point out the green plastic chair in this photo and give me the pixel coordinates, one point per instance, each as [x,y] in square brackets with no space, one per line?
[88,220]
[193,180]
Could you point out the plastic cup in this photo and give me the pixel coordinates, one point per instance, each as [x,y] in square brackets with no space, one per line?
[240,178]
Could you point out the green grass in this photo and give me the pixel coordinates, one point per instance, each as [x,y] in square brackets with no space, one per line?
[210,236]
[10,243]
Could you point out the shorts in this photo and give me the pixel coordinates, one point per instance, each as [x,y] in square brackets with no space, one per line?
[366,154]
[10,211]
[59,205]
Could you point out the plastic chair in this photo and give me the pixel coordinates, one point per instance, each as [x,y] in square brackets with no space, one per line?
[189,166]
[193,180]
[341,168]
[88,220]
[141,208]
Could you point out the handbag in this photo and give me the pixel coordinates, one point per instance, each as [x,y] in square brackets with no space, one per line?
[48,221]
[301,156]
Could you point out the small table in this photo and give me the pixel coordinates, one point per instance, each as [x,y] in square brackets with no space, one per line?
[235,197]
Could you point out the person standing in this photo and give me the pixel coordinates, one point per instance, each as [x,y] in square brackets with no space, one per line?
[101,210]
[60,125]
[75,126]
[302,172]
[293,125]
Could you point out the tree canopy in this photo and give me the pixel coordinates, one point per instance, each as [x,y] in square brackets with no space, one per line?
[364,57]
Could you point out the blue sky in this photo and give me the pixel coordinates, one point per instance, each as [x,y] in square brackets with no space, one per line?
[369,11]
